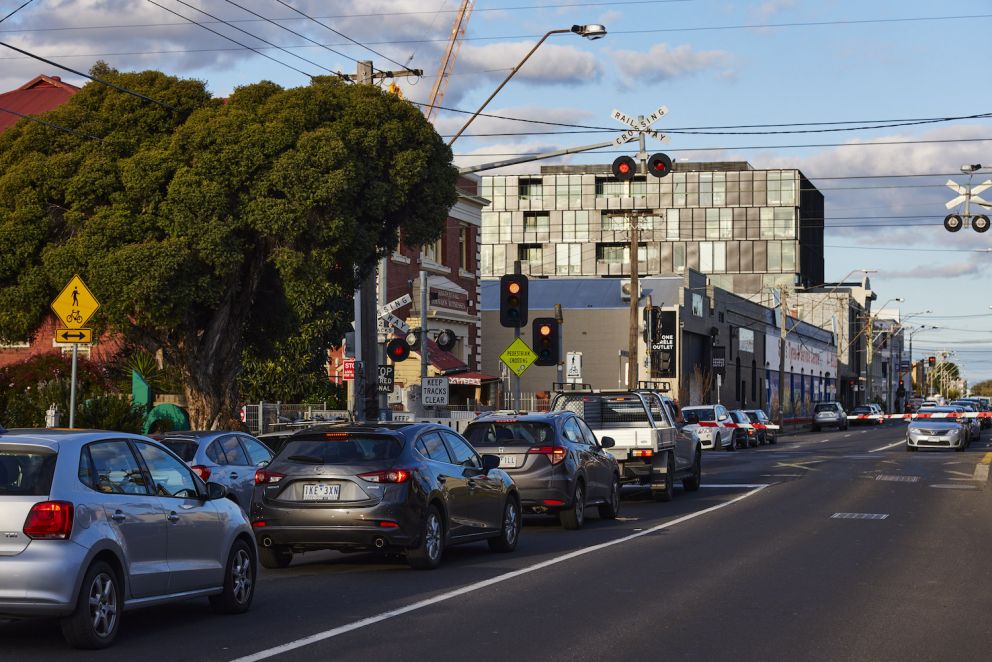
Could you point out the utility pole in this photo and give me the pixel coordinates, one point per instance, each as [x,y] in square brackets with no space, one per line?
[371,352]
[560,318]
[870,361]
[783,308]
[634,300]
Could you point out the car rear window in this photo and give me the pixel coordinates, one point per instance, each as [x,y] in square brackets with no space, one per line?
[696,415]
[344,449]
[184,448]
[26,471]
[509,433]
[820,408]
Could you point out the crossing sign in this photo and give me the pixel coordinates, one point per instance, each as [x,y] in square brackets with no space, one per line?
[968,193]
[75,304]
[639,125]
[518,357]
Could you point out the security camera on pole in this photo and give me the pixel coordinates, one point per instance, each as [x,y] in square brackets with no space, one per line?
[967,195]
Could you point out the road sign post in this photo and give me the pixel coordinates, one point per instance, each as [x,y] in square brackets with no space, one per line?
[74,305]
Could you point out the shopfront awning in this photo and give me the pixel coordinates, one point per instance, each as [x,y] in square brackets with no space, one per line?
[471,379]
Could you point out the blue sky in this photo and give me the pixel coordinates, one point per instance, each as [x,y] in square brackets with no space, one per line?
[713,63]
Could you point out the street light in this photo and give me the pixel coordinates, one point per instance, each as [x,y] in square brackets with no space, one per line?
[592,32]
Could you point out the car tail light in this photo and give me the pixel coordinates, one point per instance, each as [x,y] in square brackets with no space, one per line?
[259,523]
[49,520]
[554,502]
[644,452]
[386,524]
[264,477]
[555,453]
[201,471]
[390,476]
[750,432]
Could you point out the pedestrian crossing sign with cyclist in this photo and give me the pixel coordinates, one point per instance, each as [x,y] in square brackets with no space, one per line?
[75,304]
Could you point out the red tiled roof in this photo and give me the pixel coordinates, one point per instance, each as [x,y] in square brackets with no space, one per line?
[37,96]
[442,360]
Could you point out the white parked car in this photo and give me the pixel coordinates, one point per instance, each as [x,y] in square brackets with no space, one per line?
[714,438]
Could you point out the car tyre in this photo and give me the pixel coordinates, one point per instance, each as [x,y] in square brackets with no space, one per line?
[733,444]
[611,508]
[691,484]
[427,555]
[240,577]
[575,516]
[95,621]
[275,558]
[668,493]
[509,532]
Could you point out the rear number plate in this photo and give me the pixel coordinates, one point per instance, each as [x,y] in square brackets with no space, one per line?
[321,492]
[507,461]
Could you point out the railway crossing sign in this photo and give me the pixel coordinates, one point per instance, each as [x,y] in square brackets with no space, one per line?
[639,125]
[75,304]
[968,194]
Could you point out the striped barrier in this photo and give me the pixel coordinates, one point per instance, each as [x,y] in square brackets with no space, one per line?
[922,414]
[744,426]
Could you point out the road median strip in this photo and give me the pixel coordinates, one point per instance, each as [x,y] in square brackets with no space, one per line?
[982,468]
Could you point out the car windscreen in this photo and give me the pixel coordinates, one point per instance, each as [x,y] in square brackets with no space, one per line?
[861,409]
[184,448]
[753,417]
[509,433]
[820,408]
[341,448]
[26,471]
[696,415]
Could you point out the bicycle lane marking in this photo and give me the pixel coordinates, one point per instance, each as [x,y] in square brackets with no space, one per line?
[470,588]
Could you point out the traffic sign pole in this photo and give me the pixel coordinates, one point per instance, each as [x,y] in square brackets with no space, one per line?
[72,388]
[516,336]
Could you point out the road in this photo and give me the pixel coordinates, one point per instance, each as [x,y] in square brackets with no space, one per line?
[754,566]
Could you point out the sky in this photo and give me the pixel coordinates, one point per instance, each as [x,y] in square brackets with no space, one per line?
[879,103]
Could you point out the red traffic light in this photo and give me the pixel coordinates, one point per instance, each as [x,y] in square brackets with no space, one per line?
[398,350]
[659,164]
[624,168]
[931,361]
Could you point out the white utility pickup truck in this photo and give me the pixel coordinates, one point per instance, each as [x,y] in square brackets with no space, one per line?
[651,445]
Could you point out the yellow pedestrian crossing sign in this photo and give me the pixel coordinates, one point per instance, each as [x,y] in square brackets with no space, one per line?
[518,357]
[75,304]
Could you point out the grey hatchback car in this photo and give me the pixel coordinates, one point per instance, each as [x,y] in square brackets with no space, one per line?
[228,458]
[556,461]
[94,523]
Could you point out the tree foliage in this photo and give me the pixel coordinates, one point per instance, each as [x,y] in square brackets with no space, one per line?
[218,226]
[983,388]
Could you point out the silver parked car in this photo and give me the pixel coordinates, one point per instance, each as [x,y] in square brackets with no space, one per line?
[228,458]
[93,523]
[830,414]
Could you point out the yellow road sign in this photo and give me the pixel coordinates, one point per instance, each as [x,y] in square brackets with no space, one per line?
[74,336]
[75,304]
[518,357]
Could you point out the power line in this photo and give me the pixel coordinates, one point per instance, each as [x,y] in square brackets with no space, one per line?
[224,36]
[341,34]
[26,3]
[50,124]
[92,78]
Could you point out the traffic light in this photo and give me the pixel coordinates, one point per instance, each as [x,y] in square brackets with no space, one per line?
[659,164]
[931,361]
[513,300]
[624,168]
[546,341]
[398,350]
[650,329]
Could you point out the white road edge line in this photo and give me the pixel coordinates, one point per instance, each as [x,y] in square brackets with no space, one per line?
[469,588]
[898,443]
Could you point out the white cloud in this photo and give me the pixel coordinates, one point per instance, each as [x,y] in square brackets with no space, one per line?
[975,266]
[663,62]
[772,7]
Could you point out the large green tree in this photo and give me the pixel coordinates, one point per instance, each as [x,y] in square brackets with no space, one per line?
[214,226]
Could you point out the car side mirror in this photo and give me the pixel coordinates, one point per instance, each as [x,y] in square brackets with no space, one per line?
[607,442]
[490,462]
[263,464]
[215,491]
[723,418]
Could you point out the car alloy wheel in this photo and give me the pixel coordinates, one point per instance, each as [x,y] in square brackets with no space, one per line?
[96,618]
[575,517]
[509,531]
[611,508]
[433,537]
[427,555]
[103,604]
[242,576]
[239,581]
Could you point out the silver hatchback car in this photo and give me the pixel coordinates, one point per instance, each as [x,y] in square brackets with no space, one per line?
[93,523]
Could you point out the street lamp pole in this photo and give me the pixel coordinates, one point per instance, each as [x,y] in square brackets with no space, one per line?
[591,32]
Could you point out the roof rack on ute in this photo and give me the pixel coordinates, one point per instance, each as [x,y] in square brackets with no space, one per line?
[560,387]
[664,387]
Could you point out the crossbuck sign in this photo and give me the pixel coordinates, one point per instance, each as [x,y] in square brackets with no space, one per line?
[639,125]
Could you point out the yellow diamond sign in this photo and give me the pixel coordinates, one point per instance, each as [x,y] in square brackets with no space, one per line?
[518,357]
[75,304]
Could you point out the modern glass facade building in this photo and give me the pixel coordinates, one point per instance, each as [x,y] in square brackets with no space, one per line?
[745,228]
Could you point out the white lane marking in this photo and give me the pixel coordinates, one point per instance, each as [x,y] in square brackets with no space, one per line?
[823,441]
[470,588]
[780,476]
[738,485]
[897,479]
[846,436]
[898,443]
[859,516]
[955,487]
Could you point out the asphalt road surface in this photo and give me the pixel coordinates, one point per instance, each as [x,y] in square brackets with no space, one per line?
[828,546]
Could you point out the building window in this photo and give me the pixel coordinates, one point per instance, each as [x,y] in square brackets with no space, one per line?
[433,251]
[678,257]
[494,260]
[537,226]
[568,259]
[706,189]
[767,227]
[678,192]
[781,188]
[530,189]
[784,219]
[612,253]
[613,223]
[530,253]
[568,191]
[612,188]
[775,256]
[464,246]
[672,224]
[575,226]
[719,189]
[788,256]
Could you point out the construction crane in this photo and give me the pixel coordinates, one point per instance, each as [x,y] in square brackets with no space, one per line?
[450,53]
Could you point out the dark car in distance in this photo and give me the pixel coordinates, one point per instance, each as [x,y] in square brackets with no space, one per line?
[759,417]
[555,460]
[745,436]
[414,488]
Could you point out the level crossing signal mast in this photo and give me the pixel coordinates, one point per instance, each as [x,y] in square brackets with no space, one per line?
[513,300]
[545,340]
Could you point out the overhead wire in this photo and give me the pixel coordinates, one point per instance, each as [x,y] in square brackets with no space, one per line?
[25,4]
[50,124]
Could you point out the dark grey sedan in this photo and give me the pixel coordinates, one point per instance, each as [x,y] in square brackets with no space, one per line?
[556,461]
[409,487]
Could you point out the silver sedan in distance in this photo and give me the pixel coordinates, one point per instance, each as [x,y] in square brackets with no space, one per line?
[938,432]
[95,523]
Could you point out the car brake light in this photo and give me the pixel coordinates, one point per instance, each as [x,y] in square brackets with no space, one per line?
[554,502]
[390,476]
[644,452]
[259,523]
[386,524]
[555,453]
[263,477]
[201,471]
[49,520]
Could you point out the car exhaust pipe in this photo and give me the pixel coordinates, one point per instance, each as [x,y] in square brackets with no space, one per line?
[380,543]
[266,542]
